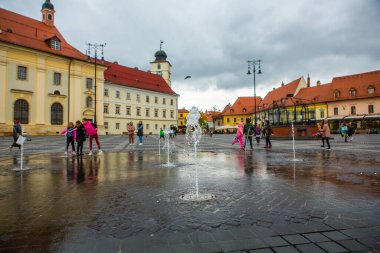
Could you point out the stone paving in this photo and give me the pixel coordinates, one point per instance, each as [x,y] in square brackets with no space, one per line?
[128,201]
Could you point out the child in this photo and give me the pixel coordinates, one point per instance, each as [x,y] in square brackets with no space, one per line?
[70,137]
[257,133]
[92,132]
[239,135]
[162,134]
[81,136]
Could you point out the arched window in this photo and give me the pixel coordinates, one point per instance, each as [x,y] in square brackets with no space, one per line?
[50,17]
[89,102]
[56,114]
[158,66]
[336,93]
[21,111]
[56,92]
[371,89]
[352,92]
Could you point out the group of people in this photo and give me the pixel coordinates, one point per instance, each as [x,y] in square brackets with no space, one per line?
[131,132]
[347,132]
[246,132]
[79,133]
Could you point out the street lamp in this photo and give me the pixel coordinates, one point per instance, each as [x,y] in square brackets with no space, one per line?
[95,49]
[252,64]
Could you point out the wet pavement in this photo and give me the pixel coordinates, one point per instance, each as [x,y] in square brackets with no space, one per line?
[127,200]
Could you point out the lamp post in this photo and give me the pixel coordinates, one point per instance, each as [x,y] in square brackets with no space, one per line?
[95,49]
[252,64]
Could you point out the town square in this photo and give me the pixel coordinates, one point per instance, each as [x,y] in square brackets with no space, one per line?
[189,127]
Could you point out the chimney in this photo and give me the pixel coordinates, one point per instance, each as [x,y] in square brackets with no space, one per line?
[274,88]
[308,80]
[282,84]
[116,62]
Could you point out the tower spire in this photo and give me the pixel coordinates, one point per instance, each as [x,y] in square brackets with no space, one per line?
[48,11]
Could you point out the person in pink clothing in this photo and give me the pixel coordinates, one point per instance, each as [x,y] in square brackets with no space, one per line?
[92,131]
[239,135]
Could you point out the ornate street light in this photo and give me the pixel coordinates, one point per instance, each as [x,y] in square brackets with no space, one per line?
[94,49]
[252,64]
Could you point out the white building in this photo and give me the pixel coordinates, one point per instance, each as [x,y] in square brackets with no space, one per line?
[134,95]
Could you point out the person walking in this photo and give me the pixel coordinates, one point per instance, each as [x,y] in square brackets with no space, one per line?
[140,132]
[248,131]
[17,132]
[92,131]
[162,134]
[351,132]
[131,133]
[268,133]
[343,131]
[81,136]
[326,134]
[70,137]
[239,135]
[257,134]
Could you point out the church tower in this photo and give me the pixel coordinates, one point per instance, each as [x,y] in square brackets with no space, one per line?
[48,13]
[161,66]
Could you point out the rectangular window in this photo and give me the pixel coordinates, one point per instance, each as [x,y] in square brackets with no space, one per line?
[234,120]
[312,114]
[155,126]
[57,78]
[181,115]
[336,111]
[156,100]
[128,96]
[156,113]
[164,101]
[55,44]
[89,83]
[117,94]
[228,120]
[353,110]
[371,109]
[172,114]
[171,102]
[322,114]
[138,111]
[147,112]
[105,108]
[22,73]
[164,127]
[117,109]
[147,99]
[128,112]
[117,126]
[147,126]
[138,97]
[106,92]
[106,125]
[164,113]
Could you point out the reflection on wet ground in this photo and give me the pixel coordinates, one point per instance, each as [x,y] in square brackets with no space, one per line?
[128,202]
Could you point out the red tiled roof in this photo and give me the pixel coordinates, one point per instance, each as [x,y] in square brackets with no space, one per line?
[311,95]
[210,115]
[125,76]
[359,82]
[279,93]
[183,111]
[243,106]
[27,32]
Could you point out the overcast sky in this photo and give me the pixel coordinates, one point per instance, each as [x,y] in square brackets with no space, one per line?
[212,40]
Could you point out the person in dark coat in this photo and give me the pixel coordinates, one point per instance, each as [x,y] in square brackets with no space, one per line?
[17,131]
[81,136]
[268,133]
[140,132]
[248,132]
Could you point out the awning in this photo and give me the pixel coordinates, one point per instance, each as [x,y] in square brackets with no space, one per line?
[358,117]
[336,118]
[225,127]
[374,116]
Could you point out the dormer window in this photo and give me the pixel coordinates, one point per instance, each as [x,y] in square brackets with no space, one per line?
[352,92]
[371,89]
[55,44]
[232,110]
[244,110]
[336,94]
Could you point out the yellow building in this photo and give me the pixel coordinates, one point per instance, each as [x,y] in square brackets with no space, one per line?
[44,81]
[182,114]
[240,111]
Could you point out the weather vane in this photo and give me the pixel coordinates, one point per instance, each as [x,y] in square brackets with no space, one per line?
[161,42]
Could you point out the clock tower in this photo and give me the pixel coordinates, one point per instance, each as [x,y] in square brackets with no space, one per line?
[161,66]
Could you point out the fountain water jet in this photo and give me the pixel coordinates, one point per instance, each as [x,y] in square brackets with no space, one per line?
[169,146]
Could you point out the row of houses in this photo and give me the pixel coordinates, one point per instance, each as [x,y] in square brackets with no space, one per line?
[352,98]
[45,82]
